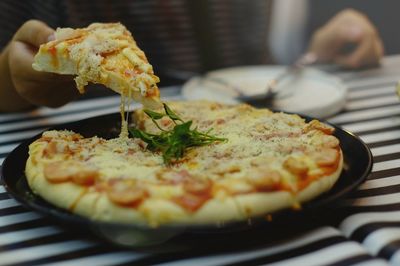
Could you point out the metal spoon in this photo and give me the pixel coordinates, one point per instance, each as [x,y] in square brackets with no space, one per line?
[271,90]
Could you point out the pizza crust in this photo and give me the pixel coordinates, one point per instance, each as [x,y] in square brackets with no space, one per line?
[63,195]
[256,204]
[44,61]
[321,185]
[155,212]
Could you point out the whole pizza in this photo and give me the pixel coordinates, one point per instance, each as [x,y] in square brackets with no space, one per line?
[183,162]
[266,162]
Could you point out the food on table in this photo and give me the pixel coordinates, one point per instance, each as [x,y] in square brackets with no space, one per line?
[185,162]
[259,162]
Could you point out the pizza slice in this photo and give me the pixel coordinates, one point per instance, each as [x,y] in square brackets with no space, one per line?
[103,53]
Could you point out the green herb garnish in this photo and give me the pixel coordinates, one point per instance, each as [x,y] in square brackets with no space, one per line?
[173,143]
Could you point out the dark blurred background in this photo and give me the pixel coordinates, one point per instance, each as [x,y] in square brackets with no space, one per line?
[385,14]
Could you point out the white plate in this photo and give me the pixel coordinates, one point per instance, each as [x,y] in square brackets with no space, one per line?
[311,92]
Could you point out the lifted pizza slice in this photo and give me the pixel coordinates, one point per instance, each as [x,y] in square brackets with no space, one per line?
[103,53]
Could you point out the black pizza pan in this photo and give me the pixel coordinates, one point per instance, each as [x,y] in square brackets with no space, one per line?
[357,166]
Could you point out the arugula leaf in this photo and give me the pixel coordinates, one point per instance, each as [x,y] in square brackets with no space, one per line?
[171,114]
[153,115]
[173,143]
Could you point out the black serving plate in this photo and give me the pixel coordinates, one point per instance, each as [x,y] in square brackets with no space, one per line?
[357,166]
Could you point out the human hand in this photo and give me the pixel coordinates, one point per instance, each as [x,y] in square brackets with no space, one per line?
[23,86]
[348,27]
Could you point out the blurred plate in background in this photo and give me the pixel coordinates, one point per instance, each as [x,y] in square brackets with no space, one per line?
[310,92]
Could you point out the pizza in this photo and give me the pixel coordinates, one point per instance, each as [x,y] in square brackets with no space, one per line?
[268,162]
[103,53]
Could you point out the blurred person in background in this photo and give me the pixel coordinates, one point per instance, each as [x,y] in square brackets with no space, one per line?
[180,38]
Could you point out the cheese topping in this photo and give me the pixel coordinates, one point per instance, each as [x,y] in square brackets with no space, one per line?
[270,161]
[104,53]
[265,151]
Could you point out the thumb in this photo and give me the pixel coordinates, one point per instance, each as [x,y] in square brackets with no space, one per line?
[34,32]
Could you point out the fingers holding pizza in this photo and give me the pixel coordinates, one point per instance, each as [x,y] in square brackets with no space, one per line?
[103,53]
[22,86]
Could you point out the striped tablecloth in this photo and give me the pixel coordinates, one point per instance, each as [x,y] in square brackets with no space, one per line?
[366,230]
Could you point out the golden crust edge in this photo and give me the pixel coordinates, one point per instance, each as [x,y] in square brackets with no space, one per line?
[324,184]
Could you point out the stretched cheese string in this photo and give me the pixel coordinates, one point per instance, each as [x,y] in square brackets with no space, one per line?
[128,104]
[125,104]
[124,125]
[122,113]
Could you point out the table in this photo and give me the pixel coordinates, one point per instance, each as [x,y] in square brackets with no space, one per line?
[366,230]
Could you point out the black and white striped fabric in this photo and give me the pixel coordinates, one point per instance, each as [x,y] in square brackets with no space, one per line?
[367,232]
